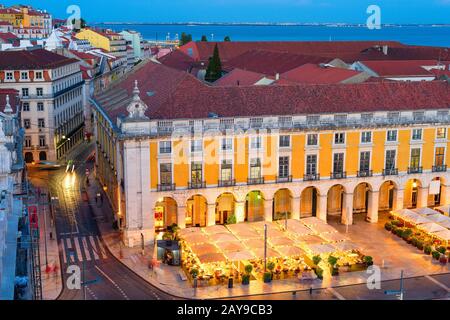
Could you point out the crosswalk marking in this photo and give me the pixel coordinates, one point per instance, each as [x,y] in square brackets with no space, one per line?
[336,294]
[443,286]
[94,247]
[86,249]
[83,248]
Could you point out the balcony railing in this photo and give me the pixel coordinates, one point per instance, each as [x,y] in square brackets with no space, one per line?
[390,172]
[166,187]
[227,183]
[442,168]
[365,173]
[338,175]
[412,170]
[311,177]
[197,185]
[253,181]
[283,179]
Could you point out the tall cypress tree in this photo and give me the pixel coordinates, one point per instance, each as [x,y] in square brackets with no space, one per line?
[214,70]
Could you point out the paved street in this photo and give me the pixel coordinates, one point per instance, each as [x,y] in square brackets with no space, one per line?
[80,242]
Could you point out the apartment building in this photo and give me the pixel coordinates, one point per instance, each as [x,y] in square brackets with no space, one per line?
[107,40]
[171,149]
[51,92]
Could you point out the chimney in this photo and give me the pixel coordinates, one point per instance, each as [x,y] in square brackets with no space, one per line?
[385,50]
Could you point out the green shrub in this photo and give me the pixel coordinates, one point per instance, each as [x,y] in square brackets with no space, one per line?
[334,271]
[394,229]
[419,245]
[267,277]
[397,223]
[246,279]
[271,266]
[319,273]
[388,226]
[407,233]
[231,219]
[194,272]
[332,260]
[414,241]
[436,255]
[399,232]
[441,250]
[316,259]
[368,260]
[427,249]
[248,269]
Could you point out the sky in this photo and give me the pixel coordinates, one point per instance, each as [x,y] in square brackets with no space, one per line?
[302,11]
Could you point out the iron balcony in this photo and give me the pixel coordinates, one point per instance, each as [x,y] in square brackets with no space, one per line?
[227,183]
[253,181]
[412,170]
[365,173]
[197,185]
[311,177]
[166,187]
[283,179]
[338,175]
[442,168]
[390,172]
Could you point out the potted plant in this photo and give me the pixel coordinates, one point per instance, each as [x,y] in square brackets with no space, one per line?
[271,267]
[231,219]
[246,277]
[427,249]
[441,250]
[368,260]
[267,277]
[443,259]
[419,245]
[436,255]
[388,226]
[316,260]
[194,274]
[319,273]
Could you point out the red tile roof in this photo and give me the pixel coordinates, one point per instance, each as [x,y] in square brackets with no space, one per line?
[171,94]
[316,74]
[270,62]
[239,77]
[406,68]
[13,99]
[8,37]
[32,59]
[331,49]
[178,60]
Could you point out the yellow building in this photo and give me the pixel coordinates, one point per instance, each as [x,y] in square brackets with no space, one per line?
[171,149]
[104,39]
[13,16]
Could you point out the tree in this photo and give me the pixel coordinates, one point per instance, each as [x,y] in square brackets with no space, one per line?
[185,38]
[227,39]
[204,38]
[214,70]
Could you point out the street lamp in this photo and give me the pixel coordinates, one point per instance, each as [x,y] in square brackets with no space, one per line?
[105,188]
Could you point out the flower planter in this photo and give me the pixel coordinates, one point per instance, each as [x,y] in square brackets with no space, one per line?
[443,259]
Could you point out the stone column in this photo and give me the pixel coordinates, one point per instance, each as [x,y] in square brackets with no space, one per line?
[347,210]
[322,207]
[372,210]
[211,214]
[296,208]
[399,200]
[181,217]
[268,209]
[422,197]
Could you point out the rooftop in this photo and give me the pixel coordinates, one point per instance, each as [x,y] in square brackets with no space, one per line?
[386,68]
[239,77]
[317,74]
[32,59]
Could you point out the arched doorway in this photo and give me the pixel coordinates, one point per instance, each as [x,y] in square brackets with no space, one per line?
[196,211]
[308,202]
[166,212]
[29,157]
[254,206]
[282,205]
[361,197]
[386,201]
[436,192]
[412,194]
[224,208]
[335,202]
[42,156]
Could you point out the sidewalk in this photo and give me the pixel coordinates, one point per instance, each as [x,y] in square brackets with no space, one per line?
[49,252]
[167,279]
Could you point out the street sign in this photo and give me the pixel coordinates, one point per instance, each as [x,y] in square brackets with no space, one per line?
[392,292]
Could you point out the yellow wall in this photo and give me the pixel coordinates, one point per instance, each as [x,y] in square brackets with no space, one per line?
[352,152]
[428,148]
[404,150]
[378,151]
[326,155]
[97,40]
[298,158]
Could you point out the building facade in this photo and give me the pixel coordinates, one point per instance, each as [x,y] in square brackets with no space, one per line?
[136,42]
[201,155]
[107,40]
[51,91]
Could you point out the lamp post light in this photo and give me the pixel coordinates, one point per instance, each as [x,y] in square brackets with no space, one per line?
[265,247]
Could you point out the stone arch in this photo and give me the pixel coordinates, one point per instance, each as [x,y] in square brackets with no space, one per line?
[225,207]
[42,156]
[254,206]
[413,195]
[196,211]
[361,197]
[166,213]
[282,204]
[387,196]
[436,192]
[335,200]
[29,157]
[309,202]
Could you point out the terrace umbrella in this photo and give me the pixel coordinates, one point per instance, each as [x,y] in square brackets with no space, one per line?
[425,211]
[333,237]
[404,214]
[254,243]
[290,251]
[205,248]
[281,241]
[444,209]
[346,246]
[240,255]
[323,228]
[260,225]
[215,229]
[445,224]
[443,235]
[246,234]
[259,253]
[183,232]
[195,238]
[310,239]
[230,246]
[431,227]
[311,221]
[299,229]
[322,248]
[418,219]
[222,237]
[438,218]
[272,233]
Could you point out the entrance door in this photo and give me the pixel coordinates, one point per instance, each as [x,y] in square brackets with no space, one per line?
[391,199]
[414,198]
[314,203]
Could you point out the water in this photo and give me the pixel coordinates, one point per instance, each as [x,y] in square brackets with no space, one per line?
[414,35]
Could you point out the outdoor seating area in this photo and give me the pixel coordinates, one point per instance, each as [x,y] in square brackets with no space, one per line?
[212,255]
[425,228]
